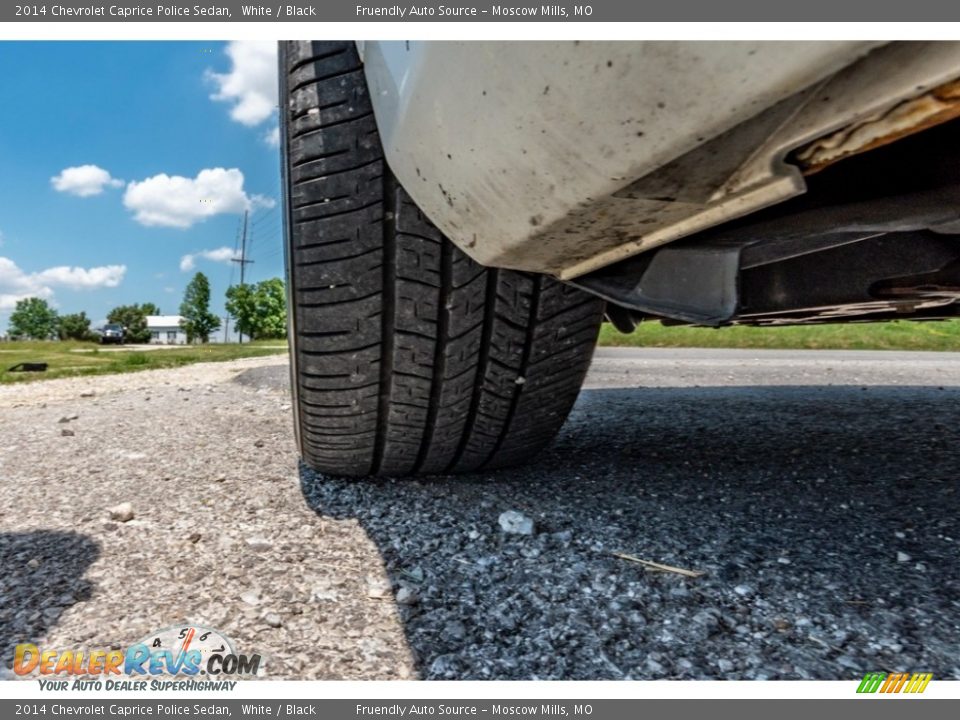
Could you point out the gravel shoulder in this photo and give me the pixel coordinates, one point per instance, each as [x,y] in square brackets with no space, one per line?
[221,535]
[820,503]
[79,388]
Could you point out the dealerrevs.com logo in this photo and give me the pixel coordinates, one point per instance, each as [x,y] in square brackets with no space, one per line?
[183,653]
[878,682]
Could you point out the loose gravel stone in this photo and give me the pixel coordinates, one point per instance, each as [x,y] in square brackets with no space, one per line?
[515,523]
[407,596]
[378,588]
[259,544]
[454,630]
[250,597]
[121,513]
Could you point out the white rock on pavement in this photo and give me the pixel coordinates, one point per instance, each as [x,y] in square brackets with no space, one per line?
[259,544]
[378,588]
[122,512]
[407,596]
[516,523]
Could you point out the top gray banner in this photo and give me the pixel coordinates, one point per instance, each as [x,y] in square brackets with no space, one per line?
[466,11]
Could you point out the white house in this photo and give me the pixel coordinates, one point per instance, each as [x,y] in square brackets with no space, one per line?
[166,330]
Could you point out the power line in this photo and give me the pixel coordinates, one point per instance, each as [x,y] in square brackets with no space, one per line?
[271,227]
[243,258]
[243,248]
[269,243]
[236,247]
[264,215]
[265,211]
[271,232]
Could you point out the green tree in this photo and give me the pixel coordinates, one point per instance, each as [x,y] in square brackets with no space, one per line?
[242,307]
[33,319]
[75,326]
[198,321]
[260,310]
[134,320]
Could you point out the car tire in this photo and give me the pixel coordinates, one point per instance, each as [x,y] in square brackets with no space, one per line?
[407,357]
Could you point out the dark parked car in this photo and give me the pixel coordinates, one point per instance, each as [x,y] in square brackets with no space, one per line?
[112,334]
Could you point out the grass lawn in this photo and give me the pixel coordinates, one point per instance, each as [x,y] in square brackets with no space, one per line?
[69,359]
[895,335]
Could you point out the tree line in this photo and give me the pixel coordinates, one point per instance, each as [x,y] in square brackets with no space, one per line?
[259,311]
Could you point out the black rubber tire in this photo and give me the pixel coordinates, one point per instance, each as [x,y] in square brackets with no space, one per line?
[408,356]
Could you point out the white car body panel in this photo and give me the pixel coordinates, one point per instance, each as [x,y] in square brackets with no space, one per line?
[528,154]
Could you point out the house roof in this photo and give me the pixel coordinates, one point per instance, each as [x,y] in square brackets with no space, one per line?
[163,321]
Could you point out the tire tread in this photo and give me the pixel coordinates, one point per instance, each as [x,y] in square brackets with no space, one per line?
[411,357]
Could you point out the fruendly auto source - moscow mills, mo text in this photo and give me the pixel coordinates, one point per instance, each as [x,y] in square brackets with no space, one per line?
[401,11]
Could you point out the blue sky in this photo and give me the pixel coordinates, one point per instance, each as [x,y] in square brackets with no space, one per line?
[125,167]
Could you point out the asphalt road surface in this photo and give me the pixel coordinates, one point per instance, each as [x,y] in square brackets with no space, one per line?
[815,491]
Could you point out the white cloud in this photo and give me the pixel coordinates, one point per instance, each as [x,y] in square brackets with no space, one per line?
[251,83]
[221,254]
[78,278]
[272,137]
[262,201]
[84,180]
[15,284]
[176,201]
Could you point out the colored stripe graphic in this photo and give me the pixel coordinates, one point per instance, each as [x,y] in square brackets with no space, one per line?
[871,682]
[894,683]
[918,683]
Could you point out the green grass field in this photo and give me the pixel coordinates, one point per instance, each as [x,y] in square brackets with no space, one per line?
[70,359]
[873,336]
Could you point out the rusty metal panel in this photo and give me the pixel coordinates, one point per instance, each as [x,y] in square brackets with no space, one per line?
[891,124]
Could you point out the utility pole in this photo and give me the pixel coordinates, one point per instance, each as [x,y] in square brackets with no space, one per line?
[243,258]
[226,327]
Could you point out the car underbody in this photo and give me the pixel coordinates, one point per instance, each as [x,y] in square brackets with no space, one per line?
[872,239]
[820,188]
